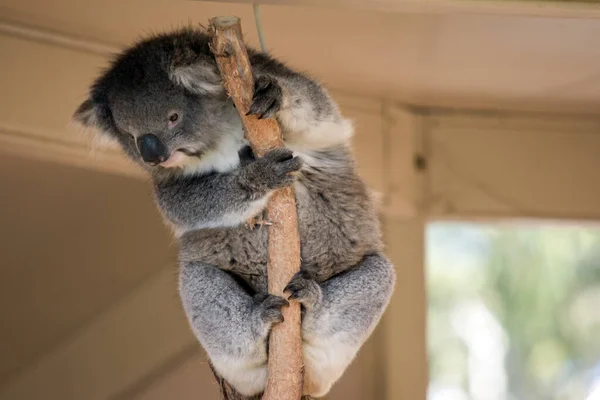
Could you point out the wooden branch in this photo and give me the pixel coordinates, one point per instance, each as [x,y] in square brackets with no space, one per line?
[285,375]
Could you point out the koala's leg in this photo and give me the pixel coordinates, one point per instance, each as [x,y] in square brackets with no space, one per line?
[309,118]
[339,316]
[231,325]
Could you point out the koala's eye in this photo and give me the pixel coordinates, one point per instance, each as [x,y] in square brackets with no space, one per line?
[174,117]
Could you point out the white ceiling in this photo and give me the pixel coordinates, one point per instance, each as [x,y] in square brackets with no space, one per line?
[445,59]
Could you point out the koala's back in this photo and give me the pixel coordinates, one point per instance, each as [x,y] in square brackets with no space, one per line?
[337,224]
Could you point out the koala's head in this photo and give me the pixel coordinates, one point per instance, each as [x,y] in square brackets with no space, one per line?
[162,101]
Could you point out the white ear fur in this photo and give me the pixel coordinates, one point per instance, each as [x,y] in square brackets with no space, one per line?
[197,78]
[86,118]
[86,114]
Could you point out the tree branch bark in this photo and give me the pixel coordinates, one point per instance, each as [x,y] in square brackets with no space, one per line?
[285,367]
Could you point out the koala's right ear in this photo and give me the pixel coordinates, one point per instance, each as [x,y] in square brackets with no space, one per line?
[87,116]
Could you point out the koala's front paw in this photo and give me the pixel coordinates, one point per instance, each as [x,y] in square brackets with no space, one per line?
[267,97]
[304,288]
[269,308]
[273,171]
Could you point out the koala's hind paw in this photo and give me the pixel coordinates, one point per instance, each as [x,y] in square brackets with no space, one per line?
[267,97]
[269,307]
[304,288]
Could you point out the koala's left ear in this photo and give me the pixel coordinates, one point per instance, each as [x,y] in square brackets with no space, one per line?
[87,115]
[196,73]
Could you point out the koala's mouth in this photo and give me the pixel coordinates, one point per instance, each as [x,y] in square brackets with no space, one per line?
[181,158]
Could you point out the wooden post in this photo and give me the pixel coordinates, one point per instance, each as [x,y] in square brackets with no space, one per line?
[285,374]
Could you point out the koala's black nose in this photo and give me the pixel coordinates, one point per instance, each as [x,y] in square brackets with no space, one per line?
[152,150]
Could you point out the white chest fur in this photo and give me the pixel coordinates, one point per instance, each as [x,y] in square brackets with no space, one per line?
[224,158]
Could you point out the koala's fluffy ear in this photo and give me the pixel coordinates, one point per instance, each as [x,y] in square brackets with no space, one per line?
[196,72]
[87,116]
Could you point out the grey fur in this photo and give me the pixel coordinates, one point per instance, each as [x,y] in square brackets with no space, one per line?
[346,281]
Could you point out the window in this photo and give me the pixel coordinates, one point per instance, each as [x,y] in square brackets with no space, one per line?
[513,312]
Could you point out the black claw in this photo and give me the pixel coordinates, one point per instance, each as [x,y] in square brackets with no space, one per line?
[291,287]
[280,155]
[294,296]
[261,83]
[260,297]
[269,113]
[278,302]
[252,110]
[285,303]
[306,274]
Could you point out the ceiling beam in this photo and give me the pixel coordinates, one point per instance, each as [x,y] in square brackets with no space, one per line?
[72,154]
[552,9]
[52,93]
[48,36]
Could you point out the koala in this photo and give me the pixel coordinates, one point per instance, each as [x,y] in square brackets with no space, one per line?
[163,102]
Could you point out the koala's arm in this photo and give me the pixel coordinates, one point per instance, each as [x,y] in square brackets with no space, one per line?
[309,118]
[224,199]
